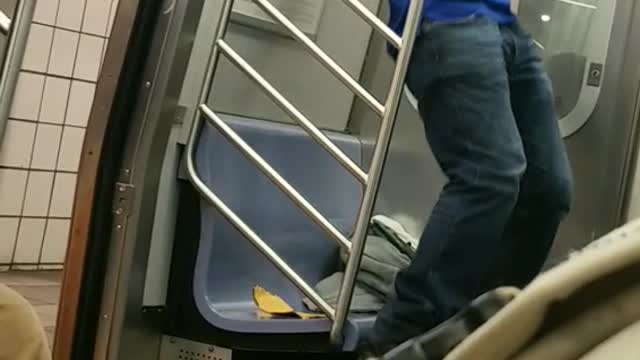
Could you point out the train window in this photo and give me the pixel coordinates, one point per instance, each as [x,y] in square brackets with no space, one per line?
[573,38]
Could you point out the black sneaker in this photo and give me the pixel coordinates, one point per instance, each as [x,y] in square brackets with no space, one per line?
[367,355]
[368,352]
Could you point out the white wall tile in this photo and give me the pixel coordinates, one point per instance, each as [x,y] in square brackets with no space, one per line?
[64,190]
[96,17]
[36,201]
[36,55]
[54,100]
[46,12]
[12,187]
[26,102]
[63,52]
[51,101]
[45,150]
[8,233]
[70,14]
[29,242]
[15,150]
[70,148]
[55,241]
[112,16]
[88,60]
[80,102]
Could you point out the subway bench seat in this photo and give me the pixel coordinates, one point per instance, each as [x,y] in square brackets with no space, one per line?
[228,267]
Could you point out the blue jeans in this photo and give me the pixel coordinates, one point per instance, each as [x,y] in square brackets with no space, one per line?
[488,110]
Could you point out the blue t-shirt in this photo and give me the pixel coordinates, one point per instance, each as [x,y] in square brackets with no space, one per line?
[450,10]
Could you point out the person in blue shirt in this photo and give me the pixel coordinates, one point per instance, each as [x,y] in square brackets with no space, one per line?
[488,109]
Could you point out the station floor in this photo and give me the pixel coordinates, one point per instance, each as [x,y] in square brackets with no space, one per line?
[42,289]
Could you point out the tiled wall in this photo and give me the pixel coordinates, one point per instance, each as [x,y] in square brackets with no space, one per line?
[41,151]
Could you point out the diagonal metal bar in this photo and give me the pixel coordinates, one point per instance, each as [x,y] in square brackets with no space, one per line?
[275,177]
[294,113]
[375,22]
[322,57]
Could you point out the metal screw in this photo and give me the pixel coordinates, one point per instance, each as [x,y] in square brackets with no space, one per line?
[119,227]
[122,188]
[147,84]
[172,340]
[106,316]
[119,211]
[212,349]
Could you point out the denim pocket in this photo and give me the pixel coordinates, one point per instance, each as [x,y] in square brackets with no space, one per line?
[428,27]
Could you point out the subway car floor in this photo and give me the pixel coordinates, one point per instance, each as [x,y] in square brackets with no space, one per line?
[42,290]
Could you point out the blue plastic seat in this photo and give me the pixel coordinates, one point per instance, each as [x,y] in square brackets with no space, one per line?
[228,267]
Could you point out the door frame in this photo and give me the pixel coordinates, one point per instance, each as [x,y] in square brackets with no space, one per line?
[83,270]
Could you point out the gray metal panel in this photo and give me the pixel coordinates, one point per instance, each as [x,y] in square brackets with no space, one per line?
[173,348]
[600,150]
[159,263]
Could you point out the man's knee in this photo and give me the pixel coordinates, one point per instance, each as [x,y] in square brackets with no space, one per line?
[553,192]
[560,196]
[501,180]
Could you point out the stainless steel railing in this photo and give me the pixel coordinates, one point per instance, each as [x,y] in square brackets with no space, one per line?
[370,180]
[18,32]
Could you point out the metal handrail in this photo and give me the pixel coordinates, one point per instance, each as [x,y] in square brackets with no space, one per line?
[18,31]
[375,22]
[248,233]
[292,111]
[273,175]
[254,239]
[370,180]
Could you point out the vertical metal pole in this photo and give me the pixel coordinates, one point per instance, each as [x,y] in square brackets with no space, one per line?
[375,172]
[18,35]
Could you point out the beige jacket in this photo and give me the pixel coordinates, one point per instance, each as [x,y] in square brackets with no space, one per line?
[21,335]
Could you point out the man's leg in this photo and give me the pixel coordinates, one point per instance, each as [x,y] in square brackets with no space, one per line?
[546,188]
[459,75]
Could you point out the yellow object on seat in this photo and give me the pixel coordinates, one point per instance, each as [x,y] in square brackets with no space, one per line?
[270,305]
